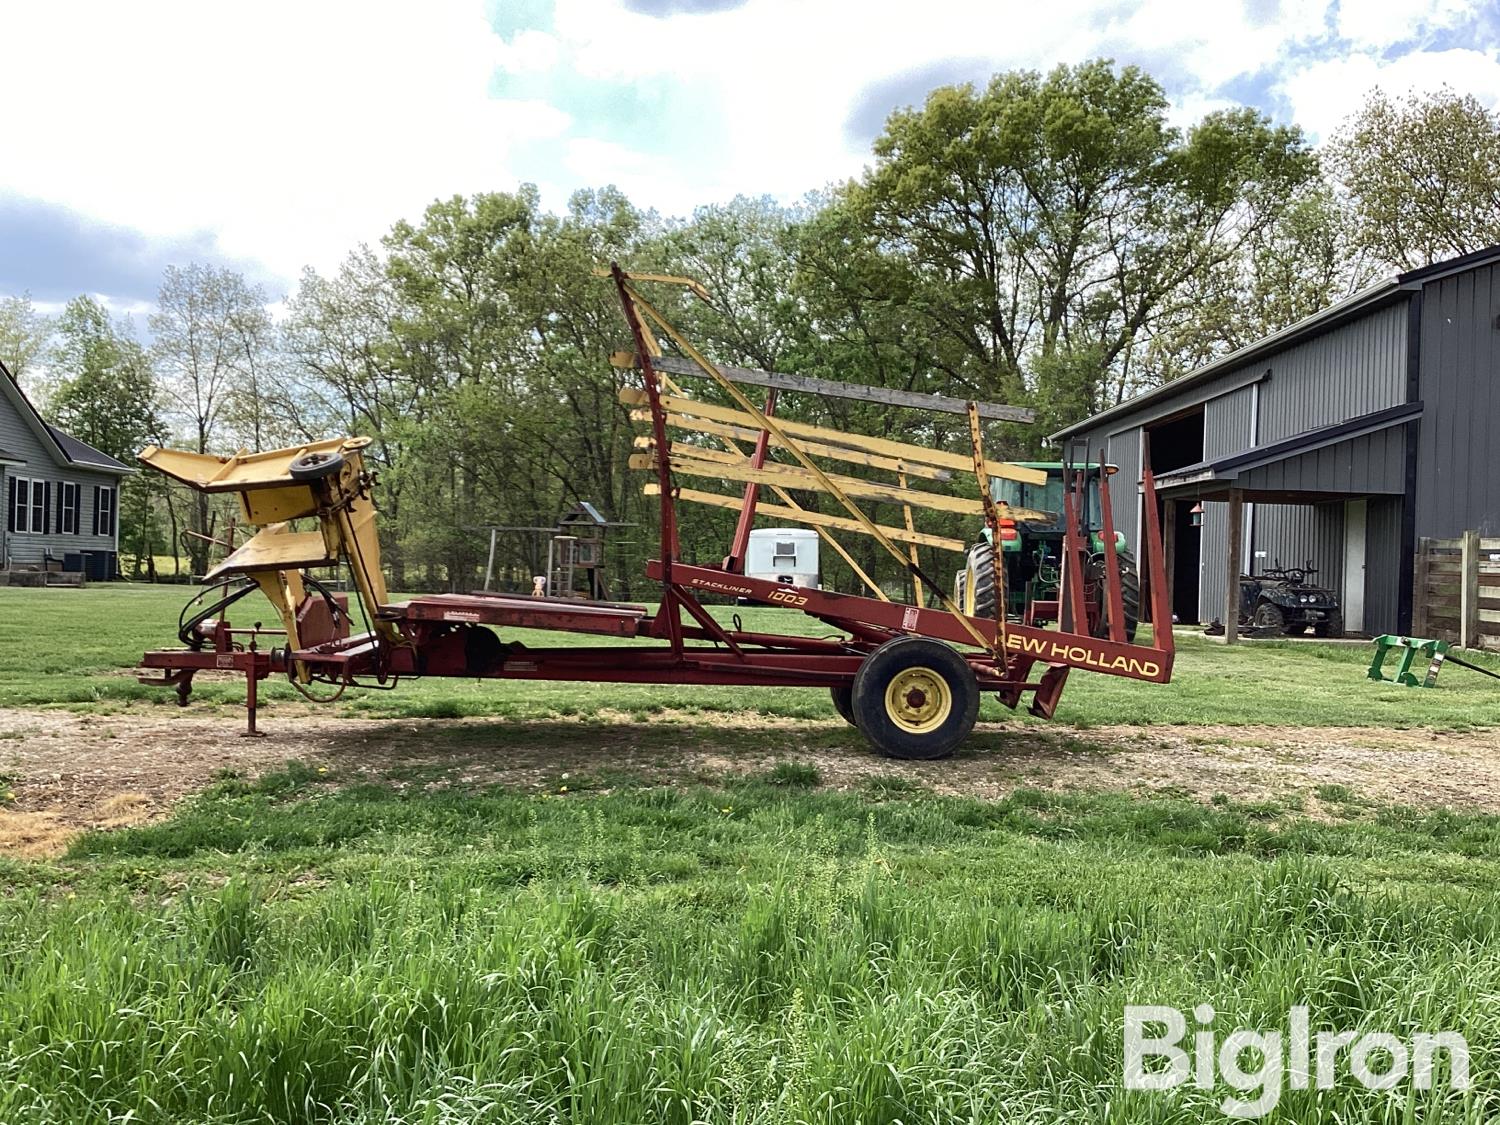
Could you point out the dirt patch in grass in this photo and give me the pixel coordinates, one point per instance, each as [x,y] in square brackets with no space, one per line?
[48,832]
[64,771]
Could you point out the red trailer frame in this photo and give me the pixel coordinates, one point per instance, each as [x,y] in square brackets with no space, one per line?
[450,634]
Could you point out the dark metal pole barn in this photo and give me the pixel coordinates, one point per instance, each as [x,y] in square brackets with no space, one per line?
[1342,438]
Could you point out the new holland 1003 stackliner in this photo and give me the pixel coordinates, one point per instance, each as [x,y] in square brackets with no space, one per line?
[909,676]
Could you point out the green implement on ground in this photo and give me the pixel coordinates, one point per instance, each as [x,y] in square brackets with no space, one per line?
[1435,652]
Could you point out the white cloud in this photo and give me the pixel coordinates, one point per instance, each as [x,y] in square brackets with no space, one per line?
[1323,93]
[1383,23]
[293,130]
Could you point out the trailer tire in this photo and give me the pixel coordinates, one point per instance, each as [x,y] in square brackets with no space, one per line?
[315,466]
[915,698]
[843,701]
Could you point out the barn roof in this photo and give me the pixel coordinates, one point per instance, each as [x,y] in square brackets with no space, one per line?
[1385,290]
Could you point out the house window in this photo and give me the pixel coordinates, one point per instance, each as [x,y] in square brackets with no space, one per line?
[104,511]
[20,505]
[38,507]
[67,513]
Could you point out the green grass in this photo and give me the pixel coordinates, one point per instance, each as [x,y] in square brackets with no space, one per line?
[300,949]
[409,947]
[76,647]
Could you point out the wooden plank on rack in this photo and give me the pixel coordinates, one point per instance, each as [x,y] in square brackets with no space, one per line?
[832,388]
[813,448]
[814,519]
[788,477]
[675,404]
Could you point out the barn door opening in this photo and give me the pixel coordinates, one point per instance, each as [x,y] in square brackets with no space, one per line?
[1177,442]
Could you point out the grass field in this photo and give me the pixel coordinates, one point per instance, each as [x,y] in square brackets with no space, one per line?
[310,945]
[77,647]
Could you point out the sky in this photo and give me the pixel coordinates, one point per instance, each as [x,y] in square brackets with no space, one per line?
[273,136]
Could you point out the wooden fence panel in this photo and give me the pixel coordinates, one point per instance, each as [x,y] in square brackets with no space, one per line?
[1457,590]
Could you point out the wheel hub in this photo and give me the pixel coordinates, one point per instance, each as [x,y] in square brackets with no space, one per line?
[918,700]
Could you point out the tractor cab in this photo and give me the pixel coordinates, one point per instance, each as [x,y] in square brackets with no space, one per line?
[1048,497]
[1033,552]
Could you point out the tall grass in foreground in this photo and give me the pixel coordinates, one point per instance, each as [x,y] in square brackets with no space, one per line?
[723,955]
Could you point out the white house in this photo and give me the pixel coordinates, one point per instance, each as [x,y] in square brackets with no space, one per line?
[62,496]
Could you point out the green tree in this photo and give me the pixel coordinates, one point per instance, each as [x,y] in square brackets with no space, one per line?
[503,333]
[105,393]
[1422,174]
[210,331]
[1296,266]
[1059,214]
[743,254]
[24,335]
[345,374]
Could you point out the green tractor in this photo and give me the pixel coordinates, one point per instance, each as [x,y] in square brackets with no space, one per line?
[1033,555]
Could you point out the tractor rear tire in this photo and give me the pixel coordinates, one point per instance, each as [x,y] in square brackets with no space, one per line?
[1332,626]
[1130,587]
[1268,615]
[1130,595]
[915,699]
[843,701]
[982,575]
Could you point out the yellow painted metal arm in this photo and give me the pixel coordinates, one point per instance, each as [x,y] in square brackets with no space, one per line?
[205,472]
[322,480]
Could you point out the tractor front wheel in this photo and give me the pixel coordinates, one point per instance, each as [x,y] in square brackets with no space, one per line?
[915,698]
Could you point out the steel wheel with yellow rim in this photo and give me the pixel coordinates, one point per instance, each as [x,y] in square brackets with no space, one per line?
[915,698]
[918,700]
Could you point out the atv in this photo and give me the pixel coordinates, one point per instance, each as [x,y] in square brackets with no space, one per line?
[1280,599]
[1032,553]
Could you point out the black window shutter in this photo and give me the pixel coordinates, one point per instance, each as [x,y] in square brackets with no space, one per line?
[96,509]
[10,505]
[47,508]
[77,509]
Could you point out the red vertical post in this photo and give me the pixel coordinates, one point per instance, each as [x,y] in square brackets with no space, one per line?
[1161,608]
[1114,596]
[670,612]
[735,560]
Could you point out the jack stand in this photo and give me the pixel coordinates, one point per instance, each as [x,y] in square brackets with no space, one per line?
[252,696]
